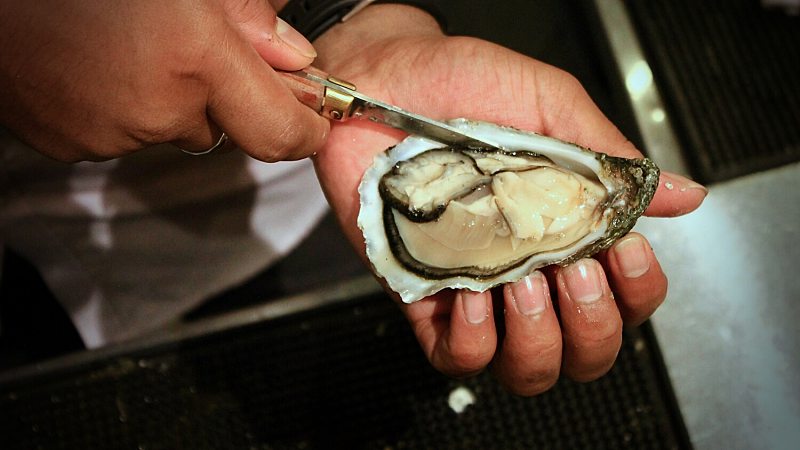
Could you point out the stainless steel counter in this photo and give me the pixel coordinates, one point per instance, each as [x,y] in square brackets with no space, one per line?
[729,329]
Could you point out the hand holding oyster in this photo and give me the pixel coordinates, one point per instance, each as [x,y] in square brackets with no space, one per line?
[399,55]
[437,217]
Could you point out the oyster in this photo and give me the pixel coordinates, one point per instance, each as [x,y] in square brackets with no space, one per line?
[437,217]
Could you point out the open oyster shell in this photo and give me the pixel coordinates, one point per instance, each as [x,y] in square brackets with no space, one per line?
[436,217]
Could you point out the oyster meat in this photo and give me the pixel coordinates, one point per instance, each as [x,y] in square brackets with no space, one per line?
[436,217]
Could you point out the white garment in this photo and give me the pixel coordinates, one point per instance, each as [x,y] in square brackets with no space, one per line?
[129,245]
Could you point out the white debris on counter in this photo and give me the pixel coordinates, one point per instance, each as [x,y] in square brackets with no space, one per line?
[460,398]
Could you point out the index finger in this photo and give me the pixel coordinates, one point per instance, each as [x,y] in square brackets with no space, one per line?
[248,100]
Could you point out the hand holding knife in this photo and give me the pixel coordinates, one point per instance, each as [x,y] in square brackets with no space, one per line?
[339,100]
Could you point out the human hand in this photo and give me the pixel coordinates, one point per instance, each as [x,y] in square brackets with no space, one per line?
[87,79]
[411,64]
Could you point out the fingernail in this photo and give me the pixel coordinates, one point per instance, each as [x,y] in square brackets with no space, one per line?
[583,281]
[673,181]
[476,308]
[631,255]
[530,294]
[294,39]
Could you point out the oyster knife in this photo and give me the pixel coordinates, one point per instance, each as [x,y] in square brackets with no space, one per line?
[339,100]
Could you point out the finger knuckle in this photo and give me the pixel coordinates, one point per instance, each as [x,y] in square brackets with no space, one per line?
[587,371]
[96,150]
[545,375]
[540,383]
[460,360]
[638,305]
[588,363]
[567,82]
[291,142]
[597,333]
[150,128]
[659,294]
[634,313]
[252,11]
[535,382]
[466,361]
[572,83]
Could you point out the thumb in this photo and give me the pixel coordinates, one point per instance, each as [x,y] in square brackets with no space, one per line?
[280,45]
[250,102]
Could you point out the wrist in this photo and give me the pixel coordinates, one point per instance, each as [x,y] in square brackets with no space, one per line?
[373,27]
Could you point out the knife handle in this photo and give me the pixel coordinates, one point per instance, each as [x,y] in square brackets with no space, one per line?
[307,92]
[329,101]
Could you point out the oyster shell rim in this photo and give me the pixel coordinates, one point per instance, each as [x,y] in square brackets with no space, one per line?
[413,286]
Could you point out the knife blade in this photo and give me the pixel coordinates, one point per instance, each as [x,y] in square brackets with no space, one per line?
[339,100]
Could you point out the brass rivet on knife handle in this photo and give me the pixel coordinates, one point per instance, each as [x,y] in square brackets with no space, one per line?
[338,105]
[343,83]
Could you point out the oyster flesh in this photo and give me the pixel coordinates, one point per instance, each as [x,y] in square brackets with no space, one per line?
[436,217]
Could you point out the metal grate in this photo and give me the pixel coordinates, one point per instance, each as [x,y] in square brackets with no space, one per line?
[345,376]
[729,70]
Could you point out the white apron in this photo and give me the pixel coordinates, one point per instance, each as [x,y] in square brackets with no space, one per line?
[129,245]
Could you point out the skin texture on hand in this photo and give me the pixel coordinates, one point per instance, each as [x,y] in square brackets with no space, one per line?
[397,54]
[88,79]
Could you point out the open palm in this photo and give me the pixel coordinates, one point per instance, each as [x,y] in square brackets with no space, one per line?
[448,77]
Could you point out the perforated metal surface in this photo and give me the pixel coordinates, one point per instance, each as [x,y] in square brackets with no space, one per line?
[728,70]
[350,376]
